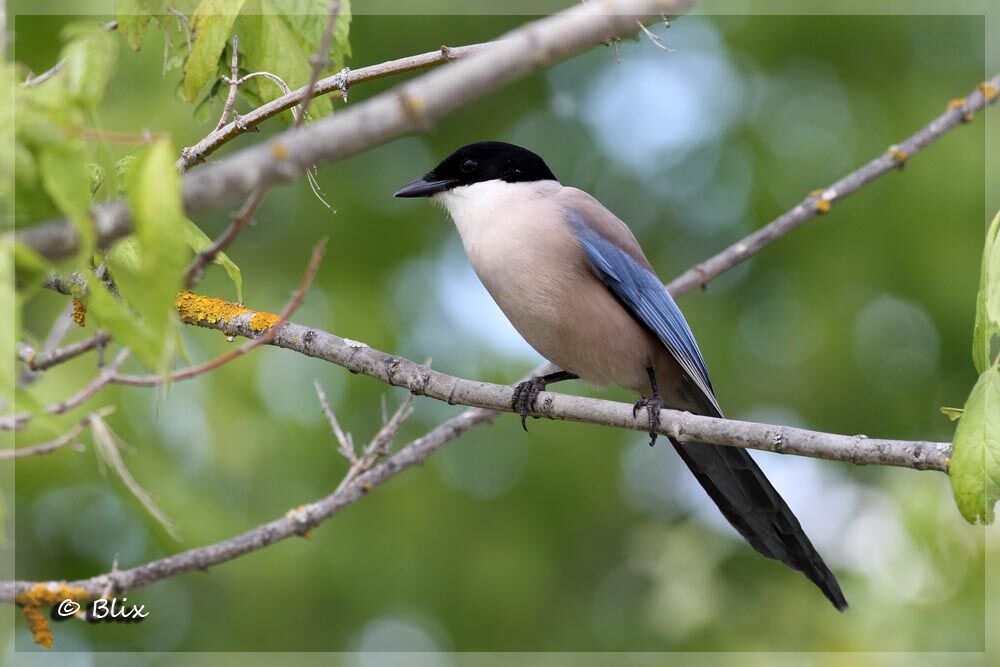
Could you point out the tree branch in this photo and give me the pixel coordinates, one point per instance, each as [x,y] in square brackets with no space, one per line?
[819,202]
[40,361]
[295,522]
[319,62]
[422,381]
[196,154]
[412,107]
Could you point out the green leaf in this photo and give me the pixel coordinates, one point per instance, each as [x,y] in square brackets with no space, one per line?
[986,334]
[270,45]
[125,256]
[307,20]
[124,326]
[212,24]
[197,240]
[89,60]
[975,465]
[121,169]
[154,194]
[29,267]
[147,267]
[133,18]
[951,413]
[65,179]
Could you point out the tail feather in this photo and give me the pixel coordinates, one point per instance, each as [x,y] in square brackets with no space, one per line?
[752,505]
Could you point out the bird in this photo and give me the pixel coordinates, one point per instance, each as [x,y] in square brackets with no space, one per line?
[574,282]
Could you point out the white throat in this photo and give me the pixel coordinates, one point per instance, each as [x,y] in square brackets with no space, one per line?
[484,208]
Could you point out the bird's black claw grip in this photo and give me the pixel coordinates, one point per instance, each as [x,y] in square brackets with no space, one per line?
[653,407]
[525,398]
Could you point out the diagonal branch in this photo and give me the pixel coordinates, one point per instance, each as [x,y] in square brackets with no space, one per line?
[296,522]
[409,108]
[819,202]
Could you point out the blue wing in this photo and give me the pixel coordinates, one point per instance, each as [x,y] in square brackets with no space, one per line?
[729,475]
[642,294]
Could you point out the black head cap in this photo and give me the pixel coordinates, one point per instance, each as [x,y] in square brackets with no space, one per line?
[478,162]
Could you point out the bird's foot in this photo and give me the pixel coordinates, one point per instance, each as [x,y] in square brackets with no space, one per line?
[525,397]
[653,407]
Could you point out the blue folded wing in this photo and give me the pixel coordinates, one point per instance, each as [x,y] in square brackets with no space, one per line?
[645,297]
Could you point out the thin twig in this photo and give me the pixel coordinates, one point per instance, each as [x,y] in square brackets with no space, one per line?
[345,444]
[319,62]
[338,82]
[105,377]
[45,360]
[60,327]
[240,221]
[55,69]
[234,85]
[67,439]
[380,445]
[184,23]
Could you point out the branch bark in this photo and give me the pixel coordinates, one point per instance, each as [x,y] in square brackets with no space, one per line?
[412,107]
[295,522]
[685,427]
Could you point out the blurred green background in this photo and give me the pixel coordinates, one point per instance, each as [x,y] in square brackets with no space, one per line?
[569,537]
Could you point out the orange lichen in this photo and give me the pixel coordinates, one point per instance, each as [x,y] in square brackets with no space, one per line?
[279,150]
[958,104]
[39,626]
[263,321]
[43,595]
[899,155]
[79,313]
[52,593]
[822,205]
[989,91]
[196,309]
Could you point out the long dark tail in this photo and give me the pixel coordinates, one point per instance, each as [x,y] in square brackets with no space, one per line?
[755,509]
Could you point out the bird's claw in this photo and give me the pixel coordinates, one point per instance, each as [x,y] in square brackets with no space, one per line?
[525,398]
[653,407]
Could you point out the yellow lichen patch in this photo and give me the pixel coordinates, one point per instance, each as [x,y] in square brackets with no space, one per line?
[196,308]
[958,104]
[79,313]
[989,91]
[41,595]
[39,626]
[279,150]
[822,205]
[898,154]
[263,321]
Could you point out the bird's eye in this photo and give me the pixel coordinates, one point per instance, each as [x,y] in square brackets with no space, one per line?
[469,166]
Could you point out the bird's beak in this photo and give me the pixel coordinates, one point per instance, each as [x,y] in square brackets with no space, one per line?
[422,187]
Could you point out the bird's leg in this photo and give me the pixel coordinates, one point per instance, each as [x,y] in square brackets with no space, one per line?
[526,393]
[652,405]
